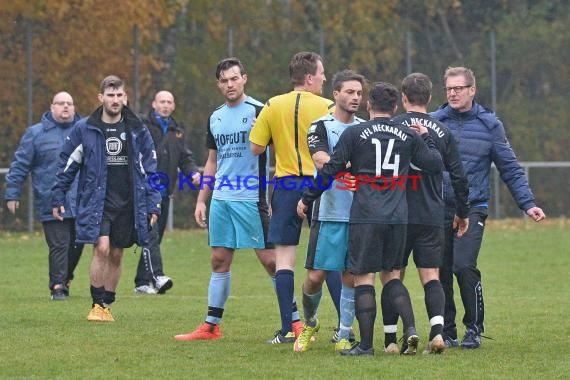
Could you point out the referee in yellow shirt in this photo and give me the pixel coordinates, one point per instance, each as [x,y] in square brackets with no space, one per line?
[284,122]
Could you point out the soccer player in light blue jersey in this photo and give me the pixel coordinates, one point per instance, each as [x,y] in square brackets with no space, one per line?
[328,239]
[239,213]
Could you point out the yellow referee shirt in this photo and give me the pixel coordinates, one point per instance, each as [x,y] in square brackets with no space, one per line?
[284,121]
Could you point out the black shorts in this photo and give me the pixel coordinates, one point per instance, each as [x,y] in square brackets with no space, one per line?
[119,225]
[376,247]
[426,242]
[285,225]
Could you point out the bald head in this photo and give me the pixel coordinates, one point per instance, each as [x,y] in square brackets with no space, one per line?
[62,107]
[163,103]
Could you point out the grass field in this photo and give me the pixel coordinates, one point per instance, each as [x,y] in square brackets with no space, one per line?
[526,272]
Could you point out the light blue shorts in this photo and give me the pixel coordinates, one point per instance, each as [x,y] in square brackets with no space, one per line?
[238,224]
[328,246]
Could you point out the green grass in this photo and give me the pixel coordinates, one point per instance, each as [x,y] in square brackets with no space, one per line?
[525,270]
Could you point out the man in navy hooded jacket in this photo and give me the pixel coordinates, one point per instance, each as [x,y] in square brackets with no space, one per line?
[173,154]
[481,139]
[114,154]
[38,154]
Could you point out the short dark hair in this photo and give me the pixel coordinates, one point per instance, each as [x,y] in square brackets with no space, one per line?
[228,63]
[417,88]
[301,64]
[346,76]
[112,81]
[383,97]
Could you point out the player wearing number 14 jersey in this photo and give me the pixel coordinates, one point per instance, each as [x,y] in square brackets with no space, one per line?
[380,153]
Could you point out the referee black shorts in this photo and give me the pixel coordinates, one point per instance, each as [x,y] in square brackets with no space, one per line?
[284,224]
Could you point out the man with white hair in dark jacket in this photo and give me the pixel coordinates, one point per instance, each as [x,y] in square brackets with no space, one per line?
[482,141]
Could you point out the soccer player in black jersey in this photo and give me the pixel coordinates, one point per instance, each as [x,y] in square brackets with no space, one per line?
[379,152]
[425,223]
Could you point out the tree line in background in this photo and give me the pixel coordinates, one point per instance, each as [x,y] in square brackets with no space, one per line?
[175,45]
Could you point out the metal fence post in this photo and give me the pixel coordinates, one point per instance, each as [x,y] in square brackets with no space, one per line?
[29,91]
[170,217]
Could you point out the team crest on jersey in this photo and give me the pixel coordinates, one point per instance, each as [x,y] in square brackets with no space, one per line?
[244,120]
[113,146]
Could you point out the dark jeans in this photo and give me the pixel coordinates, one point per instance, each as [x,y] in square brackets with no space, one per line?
[150,261]
[460,258]
[64,253]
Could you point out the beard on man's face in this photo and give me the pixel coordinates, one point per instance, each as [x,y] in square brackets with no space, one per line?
[113,109]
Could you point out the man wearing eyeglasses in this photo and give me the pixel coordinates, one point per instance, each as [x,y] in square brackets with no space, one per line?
[482,141]
[38,154]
